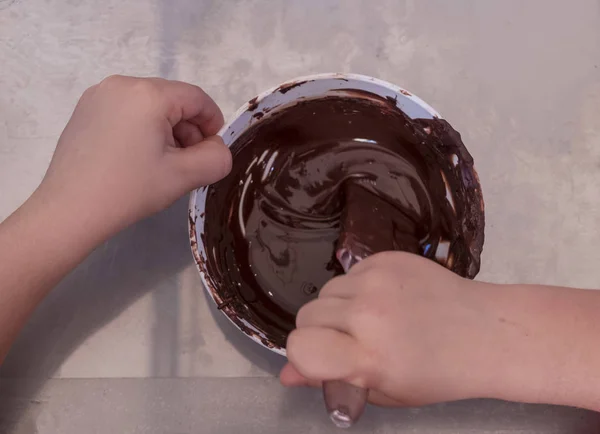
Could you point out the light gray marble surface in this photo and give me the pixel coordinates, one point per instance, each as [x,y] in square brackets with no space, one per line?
[129,343]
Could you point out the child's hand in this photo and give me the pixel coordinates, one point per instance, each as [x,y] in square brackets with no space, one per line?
[406,328]
[132,147]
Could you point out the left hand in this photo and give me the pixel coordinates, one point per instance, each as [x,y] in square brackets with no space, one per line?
[132,147]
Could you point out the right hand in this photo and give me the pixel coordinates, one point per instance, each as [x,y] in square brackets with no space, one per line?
[400,325]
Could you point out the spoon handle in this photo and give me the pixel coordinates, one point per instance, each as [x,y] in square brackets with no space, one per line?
[345,403]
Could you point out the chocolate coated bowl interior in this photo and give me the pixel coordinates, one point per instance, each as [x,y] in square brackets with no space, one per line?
[272,225]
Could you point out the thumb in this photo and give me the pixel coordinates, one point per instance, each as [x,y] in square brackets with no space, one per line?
[321,354]
[204,163]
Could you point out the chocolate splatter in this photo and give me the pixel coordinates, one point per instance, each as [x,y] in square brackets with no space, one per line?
[285,88]
[252,104]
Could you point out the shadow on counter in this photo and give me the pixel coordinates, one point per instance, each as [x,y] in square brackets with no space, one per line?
[112,278]
[146,257]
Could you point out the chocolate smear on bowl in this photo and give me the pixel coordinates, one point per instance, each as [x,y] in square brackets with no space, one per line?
[272,225]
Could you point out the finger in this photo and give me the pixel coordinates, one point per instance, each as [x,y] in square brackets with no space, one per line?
[290,377]
[188,102]
[187,134]
[325,354]
[325,312]
[203,163]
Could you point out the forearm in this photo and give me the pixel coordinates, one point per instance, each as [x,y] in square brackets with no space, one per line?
[131,148]
[39,244]
[546,345]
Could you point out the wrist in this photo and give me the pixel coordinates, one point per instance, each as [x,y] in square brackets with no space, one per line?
[39,244]
[65,220]
[542,345]
[485,358]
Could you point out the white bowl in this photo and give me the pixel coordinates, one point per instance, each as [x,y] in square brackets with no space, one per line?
[264,105]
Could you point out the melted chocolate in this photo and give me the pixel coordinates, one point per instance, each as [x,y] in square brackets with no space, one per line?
[341,170]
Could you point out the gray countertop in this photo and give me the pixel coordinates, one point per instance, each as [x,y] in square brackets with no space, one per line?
[129,343]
